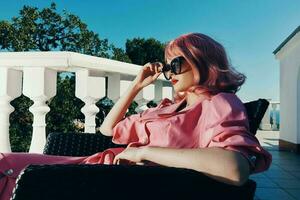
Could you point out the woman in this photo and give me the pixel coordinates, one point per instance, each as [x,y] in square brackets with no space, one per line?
[207,114]
[206,129]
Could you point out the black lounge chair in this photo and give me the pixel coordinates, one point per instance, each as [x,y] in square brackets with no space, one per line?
[77,182]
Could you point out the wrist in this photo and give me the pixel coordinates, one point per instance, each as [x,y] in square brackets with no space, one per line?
[144,152]
[136,86]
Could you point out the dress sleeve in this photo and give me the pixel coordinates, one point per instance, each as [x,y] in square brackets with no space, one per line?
[131,129]
[227,127]
[125,131]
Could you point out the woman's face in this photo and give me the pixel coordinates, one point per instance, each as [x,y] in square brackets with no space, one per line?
[181,82]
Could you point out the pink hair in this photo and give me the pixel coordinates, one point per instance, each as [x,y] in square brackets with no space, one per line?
[209,62]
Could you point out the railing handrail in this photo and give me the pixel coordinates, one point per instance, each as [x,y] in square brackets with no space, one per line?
[67,61]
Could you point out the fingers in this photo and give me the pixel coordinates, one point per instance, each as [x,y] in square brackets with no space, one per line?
[155,67]
[116,160]
[159,66]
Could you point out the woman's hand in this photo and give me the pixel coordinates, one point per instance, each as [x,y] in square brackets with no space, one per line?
[130,154]
[148,74]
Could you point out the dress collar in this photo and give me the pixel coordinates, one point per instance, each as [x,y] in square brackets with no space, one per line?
[170,110]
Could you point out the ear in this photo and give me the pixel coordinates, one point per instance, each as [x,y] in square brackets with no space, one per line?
[196,76]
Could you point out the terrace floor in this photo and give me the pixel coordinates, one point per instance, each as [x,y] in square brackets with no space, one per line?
[282,180]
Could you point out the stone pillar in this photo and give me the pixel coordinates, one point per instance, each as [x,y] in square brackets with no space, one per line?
[158,91]
[124,84]
[10,88]
[89,89]
[39,85]
[149,93]
[113,86]
[167,92]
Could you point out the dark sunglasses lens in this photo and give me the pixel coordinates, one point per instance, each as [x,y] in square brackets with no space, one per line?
[166,68]
[167,71]
[176,66]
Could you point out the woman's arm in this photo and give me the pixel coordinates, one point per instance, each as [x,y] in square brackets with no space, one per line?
[119,109]
[147,75]
[223,165]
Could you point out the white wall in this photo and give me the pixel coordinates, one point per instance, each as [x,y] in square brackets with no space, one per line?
[289,57]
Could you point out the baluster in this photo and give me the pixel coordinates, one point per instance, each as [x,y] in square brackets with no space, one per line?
[39,85]
[158,91]
[113,86]
[89,89]
[167,92]
[10,88]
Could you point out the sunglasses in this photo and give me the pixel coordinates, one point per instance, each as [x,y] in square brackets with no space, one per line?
[174,67]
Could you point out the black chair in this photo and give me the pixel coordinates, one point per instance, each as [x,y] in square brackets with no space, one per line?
[72,182]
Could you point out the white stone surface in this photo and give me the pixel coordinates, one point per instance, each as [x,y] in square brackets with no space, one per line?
[10,88]
[289,57]
[89,89]
[39,84]
[113,86]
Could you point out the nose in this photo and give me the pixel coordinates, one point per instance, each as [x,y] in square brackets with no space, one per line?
[171,75]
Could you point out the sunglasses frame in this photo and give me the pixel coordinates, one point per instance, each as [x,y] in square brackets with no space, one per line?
[171,66]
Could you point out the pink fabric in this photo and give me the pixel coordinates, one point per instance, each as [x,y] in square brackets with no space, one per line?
[223,124]
[19,161]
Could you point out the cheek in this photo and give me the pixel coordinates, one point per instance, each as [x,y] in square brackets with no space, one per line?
[189,78]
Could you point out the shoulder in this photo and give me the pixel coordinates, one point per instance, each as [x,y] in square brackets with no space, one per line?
[224,104]
[227,99]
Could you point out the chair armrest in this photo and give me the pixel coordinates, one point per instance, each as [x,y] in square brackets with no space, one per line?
[77,144]
[256,111]
[72,182]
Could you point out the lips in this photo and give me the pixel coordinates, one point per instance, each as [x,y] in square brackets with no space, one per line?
[174,81]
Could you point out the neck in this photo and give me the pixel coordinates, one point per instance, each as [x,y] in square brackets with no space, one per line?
[191,97]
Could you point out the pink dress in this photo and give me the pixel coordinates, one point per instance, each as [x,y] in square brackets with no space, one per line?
[223,124]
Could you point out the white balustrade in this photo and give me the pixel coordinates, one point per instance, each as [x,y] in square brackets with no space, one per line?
[113,86]
[89,90]
[275,109]
[39,84]
[270,114]
[167,92]
[10,88]
[158,91]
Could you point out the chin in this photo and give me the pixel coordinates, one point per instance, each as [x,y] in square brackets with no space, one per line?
[176,89]
[179,91]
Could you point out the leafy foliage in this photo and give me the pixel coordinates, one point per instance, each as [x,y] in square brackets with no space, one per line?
[141,51]
[47,30]
[64,107]
[20,120]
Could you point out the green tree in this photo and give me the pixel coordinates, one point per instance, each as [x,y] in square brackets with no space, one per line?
[140,50]
[47,30]
[20,129]
[120,55]
[62,113]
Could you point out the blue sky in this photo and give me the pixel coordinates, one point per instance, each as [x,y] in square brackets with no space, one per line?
[249,30]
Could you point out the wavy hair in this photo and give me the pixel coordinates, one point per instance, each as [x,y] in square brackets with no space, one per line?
[209,62]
